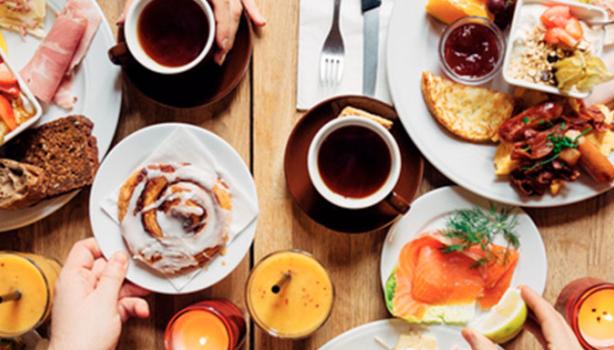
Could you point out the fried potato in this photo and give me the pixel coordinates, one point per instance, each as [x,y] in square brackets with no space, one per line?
[471,113]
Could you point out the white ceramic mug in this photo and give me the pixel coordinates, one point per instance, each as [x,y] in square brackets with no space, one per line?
[385,192]
[136,49]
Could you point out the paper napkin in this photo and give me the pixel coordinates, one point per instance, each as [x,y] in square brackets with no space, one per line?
[183,146]
[315,22]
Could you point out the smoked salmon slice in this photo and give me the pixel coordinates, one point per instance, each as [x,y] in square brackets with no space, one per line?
[427,276]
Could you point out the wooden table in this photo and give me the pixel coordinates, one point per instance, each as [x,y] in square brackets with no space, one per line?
[257,119]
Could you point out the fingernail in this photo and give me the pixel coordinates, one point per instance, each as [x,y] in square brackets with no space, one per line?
[225,43]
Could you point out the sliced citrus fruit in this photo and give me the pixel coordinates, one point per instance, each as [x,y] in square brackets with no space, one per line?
[505,320]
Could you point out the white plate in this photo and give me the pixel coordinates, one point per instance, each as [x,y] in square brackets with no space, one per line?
[431,211]
[412,48]
[98,88]
[363,337]
[121,163]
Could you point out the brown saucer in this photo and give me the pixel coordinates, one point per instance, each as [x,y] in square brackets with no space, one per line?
[318,208]
[205,84]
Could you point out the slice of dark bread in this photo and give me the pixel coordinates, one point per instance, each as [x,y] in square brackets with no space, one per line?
[64,148]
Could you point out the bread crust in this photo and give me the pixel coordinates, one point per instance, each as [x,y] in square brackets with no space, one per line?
[471,113]
[21,185]
[65,148]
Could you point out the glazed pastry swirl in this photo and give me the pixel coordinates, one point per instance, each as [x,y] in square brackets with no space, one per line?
[174,216]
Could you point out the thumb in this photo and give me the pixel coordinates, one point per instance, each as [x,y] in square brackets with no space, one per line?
[477,341]
[112,277]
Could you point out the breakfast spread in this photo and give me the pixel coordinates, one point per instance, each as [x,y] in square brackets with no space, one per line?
[49,73]
[551,46]
[471,113]
[174,216]
[24,16]
[178,213]
[441,276]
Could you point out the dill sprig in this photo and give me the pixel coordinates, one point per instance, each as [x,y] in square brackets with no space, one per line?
[471,227]
[559,143]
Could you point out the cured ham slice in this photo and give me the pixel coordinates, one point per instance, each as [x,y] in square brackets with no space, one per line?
[50,62]
[49,74]
[88,10]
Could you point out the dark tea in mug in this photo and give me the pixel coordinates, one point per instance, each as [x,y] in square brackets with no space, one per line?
[173,32]
[354,161]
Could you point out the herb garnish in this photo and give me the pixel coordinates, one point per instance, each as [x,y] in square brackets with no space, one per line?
[559,143]
[525,120]
[471,227]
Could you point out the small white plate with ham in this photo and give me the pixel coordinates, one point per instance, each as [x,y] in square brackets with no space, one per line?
[70,74]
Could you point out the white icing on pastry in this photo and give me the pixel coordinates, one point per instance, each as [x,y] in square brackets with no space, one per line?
[177,248]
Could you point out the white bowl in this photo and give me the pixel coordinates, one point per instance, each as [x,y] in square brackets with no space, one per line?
[581,11]
[31,99]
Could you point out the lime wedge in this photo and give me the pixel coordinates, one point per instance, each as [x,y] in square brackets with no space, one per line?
[505,320]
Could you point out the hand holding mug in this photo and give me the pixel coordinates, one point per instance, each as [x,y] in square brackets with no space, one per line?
[227,15]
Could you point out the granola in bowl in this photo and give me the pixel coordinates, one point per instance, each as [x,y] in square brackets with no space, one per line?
[554,49]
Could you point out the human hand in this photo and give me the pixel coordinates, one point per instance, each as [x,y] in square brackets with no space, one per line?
[92,300]
[227,18]
[545,323]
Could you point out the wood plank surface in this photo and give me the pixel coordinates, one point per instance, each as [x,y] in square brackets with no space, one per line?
[257,120]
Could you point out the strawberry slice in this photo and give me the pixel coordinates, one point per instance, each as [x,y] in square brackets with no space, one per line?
[6,113]
[556,16]
[11,92]
[556,36]
[574,28]
[8,82]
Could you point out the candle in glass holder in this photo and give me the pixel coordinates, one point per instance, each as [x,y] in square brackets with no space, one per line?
[208,325]
[289,294]
[26,292]
[588,306]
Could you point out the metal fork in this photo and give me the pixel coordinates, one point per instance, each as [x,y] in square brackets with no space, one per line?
[333,52]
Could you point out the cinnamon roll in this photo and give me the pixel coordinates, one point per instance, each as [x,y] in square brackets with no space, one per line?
[174,216]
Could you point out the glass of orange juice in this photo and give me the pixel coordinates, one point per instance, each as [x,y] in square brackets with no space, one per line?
[289,294]
[588,306]
[27,284]
[209,325]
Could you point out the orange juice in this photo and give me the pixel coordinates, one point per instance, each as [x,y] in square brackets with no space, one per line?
[289,294]
[34,278]
[588,306]
[208,325]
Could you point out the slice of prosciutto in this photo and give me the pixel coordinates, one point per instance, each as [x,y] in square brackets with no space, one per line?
[50,72]
[50,62]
